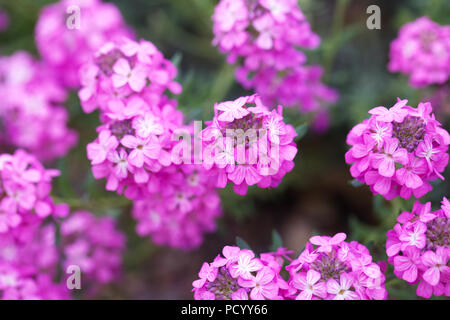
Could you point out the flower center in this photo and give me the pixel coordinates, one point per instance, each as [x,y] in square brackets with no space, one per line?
[121,128]
[329,267]
[409,133]
[106,61]
[224,285]
[438,233]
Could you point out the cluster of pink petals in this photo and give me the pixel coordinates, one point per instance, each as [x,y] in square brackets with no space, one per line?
[28,267]
[330,268]
[30,108]
[240,275]
[422,51]
[175,203]
[121,71]
[263,38]
[398,151]
[95,245]
[247,144]
[182,207]
[133,145]
[64,47]
[419,248]
[25,187]
[30,264]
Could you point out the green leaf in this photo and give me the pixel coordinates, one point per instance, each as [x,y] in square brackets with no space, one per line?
[355,183]
[242,244]
[301,131]
[277,242]
[176,59]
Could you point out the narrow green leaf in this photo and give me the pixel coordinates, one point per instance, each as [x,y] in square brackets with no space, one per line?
[277,242]
[301,131]
[355,183]
[241,243]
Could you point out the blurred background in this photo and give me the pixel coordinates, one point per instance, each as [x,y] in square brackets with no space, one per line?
[318,196]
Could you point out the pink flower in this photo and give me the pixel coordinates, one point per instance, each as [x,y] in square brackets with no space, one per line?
[418,249]
[262,284]
[241,276]
[264,39]
[330,268]
[147,125]
[97,152]
[309,285]
[248,145]
[407,264]
[232,109]
[396,113]
[385,162]
[415,237]
[123,75]
[141,149]
[326,243]
[421,51]
[32,111]
[341,290]
[410,150]
[176,206]
[246,264]
[436,264]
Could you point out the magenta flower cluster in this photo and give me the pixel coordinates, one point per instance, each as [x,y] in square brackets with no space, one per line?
[240,275]
[132,147]
[263,38]
[419,248]
[121,71]
[183,206]
[328,268]
[175,204]
[31,108]
[68,33]
[422,51]
[398,151]
[31,257]
[25,187]
[246,144]
[28,268]
[95,245]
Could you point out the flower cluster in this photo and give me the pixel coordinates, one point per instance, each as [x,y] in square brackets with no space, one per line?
[247,144]
[27,268]
[25,187]
[31,113]
[134,145]
[263,37]
[239,275]
[331,268]
[68,33]
[121,71]
[398,151]
[175,203]
[419,248]
[95,245]
[422,51]
[328,268]
[183,206]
